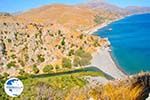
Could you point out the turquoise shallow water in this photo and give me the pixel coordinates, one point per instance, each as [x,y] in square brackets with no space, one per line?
[130,41]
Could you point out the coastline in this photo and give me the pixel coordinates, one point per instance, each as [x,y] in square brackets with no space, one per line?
[103,58]
[96,28]
[117,65]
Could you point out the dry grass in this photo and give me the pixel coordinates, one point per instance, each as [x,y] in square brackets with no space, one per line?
[107,92]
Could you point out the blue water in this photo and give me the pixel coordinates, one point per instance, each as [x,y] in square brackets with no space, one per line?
[130,42]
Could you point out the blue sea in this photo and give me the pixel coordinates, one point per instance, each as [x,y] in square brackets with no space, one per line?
[130,42]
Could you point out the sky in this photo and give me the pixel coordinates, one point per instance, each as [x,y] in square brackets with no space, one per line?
[12,6]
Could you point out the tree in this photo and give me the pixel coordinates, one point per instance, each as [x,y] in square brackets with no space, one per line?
[1,77]
[63,41]
[57,67]
[21,72]
[41,58]
[71,52]
[76,61]
[11,64]
[84,62]
[5,75]
[79,52]
[35,69]
[66,63]
[82,58]
[48,69]
[81,36]
[59,32]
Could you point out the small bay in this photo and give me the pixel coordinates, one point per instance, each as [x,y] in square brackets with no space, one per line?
[130,42]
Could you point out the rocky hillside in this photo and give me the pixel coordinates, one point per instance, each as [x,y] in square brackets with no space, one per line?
[74,18]
[50,35]
[45,35]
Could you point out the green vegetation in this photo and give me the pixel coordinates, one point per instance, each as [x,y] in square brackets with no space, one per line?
[48,69]
[11,64]
[54,85]
[41,58]
[13,56]
[96,44]
[63,41]
[71,52]
[82,58]
[35,69]
[81,36]
[76,61]
[9,40]
[99,19]
[66,63]
[59,32]
[57,67]
[50,87]
[21,72]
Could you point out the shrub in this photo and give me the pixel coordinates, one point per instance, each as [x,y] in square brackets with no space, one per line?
[57,67]
[63,41]
[1,77]
[5,75]
[59,32]
[9,40]
[35,69]
[21,72]
[81,36]
[71,52]
[41,58]
[87,55]
[13,56]
[66,63]
[79,52]
[98,19]
[48,69]
[76,61]
[84,62]
[11,64]
[82,58]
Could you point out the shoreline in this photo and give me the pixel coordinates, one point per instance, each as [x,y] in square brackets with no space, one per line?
[113,68]
[117,65]
[103,60]
[97,27]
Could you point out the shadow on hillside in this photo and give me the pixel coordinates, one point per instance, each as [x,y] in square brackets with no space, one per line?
[88,69]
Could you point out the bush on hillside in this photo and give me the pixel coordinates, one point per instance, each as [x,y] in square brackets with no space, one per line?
[82,58]
[48,69]
[40,58]
[35,69]
[76,61]
[66,63]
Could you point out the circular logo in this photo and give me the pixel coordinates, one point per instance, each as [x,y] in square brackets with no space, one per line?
[13,87]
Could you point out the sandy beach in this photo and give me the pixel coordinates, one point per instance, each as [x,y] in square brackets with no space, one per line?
[96,28]
[102,59]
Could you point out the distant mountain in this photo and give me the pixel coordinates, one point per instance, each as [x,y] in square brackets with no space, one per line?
[102,5]
[4,14]
[136,9]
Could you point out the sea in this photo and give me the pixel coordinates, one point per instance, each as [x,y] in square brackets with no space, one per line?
[130,42]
